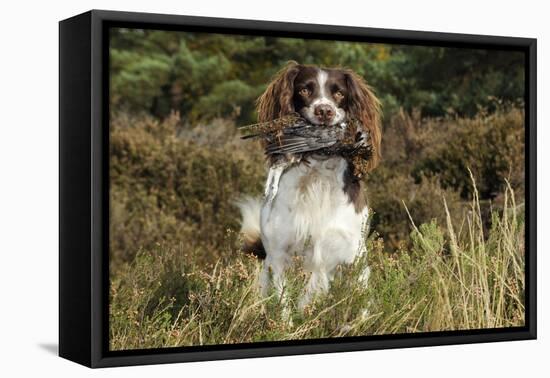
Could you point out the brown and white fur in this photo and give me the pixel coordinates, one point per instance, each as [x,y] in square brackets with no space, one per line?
[320,209]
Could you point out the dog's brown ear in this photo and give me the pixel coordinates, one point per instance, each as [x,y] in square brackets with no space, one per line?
[364,106]
[276,101]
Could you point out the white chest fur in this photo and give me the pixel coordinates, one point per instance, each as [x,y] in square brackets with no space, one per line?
[312,215]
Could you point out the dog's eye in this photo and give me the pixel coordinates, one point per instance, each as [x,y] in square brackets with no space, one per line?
[304,92]
[338,95]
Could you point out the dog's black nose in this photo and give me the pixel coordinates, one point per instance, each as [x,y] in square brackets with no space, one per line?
[324,113]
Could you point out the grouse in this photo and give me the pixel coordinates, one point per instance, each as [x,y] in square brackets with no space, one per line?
[290,140]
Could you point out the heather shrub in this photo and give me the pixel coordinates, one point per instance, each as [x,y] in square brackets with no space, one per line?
[174,184]
[450,278]
[426,160]
[425,199]
[492,146]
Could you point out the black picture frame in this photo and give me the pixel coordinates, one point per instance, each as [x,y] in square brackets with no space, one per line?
[83,193]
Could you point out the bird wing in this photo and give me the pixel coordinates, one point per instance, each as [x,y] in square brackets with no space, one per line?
[264,129]
[300,139]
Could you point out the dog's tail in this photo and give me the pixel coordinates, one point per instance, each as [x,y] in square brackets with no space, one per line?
[250,226]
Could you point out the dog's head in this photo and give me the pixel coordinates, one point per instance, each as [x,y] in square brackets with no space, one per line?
[324,97]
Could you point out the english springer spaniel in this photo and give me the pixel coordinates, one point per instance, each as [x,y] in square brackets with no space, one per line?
[320,211]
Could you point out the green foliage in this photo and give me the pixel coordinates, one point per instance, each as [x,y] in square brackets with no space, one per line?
[231,98]
[443,81]
[138,77]
[203,76]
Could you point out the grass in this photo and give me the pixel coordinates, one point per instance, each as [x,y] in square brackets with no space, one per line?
[451,276]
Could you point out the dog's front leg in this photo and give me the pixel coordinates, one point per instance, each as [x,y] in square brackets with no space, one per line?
[336,246]
[318,282]
[273,273]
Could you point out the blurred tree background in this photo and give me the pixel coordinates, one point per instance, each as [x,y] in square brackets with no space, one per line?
[205,76]
[446,110]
